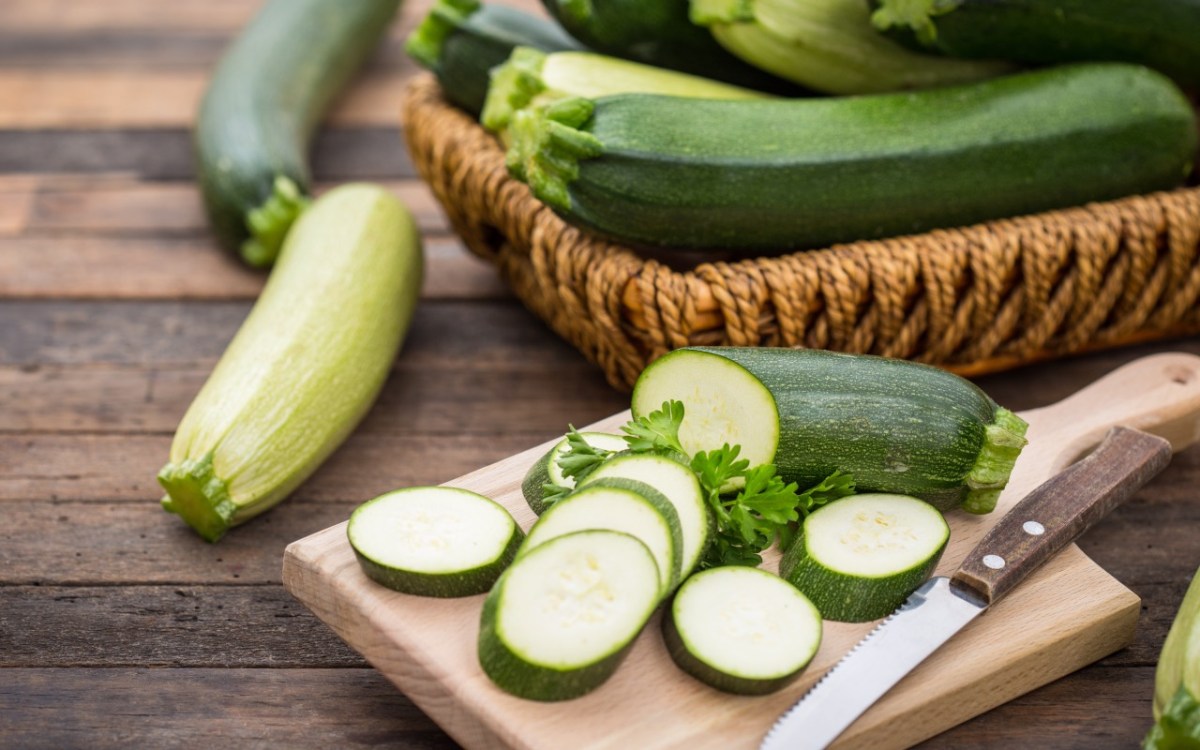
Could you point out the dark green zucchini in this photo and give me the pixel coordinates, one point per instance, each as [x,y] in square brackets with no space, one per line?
[791,174]
[265,99]
[1161,34]
[462,40]
[895,426]
[659,33]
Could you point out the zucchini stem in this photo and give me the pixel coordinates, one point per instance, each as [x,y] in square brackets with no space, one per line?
[513,87]
[425,43]
[198,495]
[1002,443]
[270,222]
[547,146]
[917,15]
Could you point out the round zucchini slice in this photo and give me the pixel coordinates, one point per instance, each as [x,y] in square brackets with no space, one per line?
[559,622]
[634,508]
[547,471]
[678,484]
[433,541]
[860,557]
[742,630]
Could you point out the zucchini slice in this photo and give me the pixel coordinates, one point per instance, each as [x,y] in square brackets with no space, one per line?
[547,471]
[859,558]
[895,426]
[679,485]
[433,541]
[742,630]
[560,620]
[634,508]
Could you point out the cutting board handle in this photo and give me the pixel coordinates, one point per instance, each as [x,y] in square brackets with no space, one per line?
[1159,394]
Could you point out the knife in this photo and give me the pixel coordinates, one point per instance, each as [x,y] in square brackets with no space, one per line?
[1045,521]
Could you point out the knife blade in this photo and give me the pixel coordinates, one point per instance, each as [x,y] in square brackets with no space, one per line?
[1046,520]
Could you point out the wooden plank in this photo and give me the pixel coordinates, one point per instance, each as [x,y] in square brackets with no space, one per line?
[352,708]
[125,206]
[339,154]
[417,400]
[85,266]
[123,467]
[1068,614]
[189,626]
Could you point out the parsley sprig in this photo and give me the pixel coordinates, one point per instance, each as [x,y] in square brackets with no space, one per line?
[754,508]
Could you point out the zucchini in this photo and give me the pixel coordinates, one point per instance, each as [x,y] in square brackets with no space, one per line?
[623,505]
[860,557]
[461,40]
[561,619]
[784,174]
[741,630]
[531,76]
[265,99]
[679,485]
[895,426]
[658,33]
[830,46]
[306,364]
[1161,34]
[546,471]
[1177,680]
[433,541]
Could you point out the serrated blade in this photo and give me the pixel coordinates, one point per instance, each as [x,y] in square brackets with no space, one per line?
[926,620]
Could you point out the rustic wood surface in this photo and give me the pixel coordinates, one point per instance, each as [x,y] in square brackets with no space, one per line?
[118,627]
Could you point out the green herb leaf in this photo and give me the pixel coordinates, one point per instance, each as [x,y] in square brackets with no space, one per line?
[552,493]
[833,487]
[580,458]
[657,431]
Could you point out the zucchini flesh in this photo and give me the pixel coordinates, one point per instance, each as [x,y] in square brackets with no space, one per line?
[547,471]
[679,485]
[462,40]
[1177,680]
[265,98]
[658,33]
[787,174]
[297,377]
[860,557]
[829,45]
[742,630]
[1161,34]
[531,76]
[561,619]
[621,505]
[895,426]
[433,541]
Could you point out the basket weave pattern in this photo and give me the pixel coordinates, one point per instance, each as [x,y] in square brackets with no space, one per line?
[974,300]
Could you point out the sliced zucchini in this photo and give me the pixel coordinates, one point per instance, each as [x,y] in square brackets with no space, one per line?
[742,630]
[678,484]
[860,557]
[547,471]
[433,541]
[560,620]
[624,505]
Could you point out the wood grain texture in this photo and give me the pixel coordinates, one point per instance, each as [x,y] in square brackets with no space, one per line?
[1066,615]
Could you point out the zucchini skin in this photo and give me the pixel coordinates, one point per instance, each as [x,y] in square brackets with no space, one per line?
[895,426]
[306,364]
[659,33]
[442,585]
[262,105]
[462,40]
[792,174]
[1161,34]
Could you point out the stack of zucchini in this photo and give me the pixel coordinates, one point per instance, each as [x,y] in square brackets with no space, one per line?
[936,122]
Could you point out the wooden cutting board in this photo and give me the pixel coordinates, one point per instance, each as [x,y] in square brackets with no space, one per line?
[1065,616]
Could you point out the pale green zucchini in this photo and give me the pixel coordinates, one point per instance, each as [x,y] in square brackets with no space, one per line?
[1177,680]
[306,364]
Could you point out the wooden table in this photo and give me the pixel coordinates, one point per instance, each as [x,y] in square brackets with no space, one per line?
[118,626]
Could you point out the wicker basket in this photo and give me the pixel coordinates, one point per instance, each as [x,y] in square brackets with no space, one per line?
[973,300]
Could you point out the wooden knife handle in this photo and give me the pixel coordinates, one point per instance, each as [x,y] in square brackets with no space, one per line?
[1058,511]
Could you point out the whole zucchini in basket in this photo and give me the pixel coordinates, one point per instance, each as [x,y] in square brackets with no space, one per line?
[1161,34]
[264,101]
[790,174]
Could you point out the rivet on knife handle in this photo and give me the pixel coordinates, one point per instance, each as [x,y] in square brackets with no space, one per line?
[1057,512]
